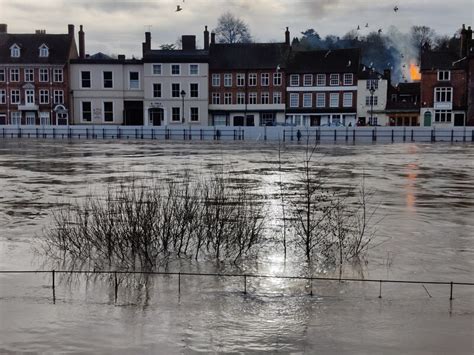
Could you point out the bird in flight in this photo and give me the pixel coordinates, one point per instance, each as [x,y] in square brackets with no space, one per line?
[358,28]
[178,8]
[380,31]
[367,25]
[395,8]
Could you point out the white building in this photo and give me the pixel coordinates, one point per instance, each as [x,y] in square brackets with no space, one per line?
[372,88]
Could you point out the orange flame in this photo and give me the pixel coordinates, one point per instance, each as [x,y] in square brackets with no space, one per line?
[414,72]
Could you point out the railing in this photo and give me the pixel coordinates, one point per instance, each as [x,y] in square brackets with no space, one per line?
[244,277]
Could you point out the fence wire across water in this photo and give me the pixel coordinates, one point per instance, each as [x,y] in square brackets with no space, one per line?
[252,134]
[244,277]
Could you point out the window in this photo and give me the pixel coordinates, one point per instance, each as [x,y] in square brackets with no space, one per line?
[373,121]
[444,75]
[15,97]
[44,119]
[216,80]
[58,75]
[228,98]
[294,80]
[58,97]
[308,80]
[442,116]
[369,98]
[176,114]
[108,81]
[86,111]
[30,118]
[334,80]
[240,79]
[29,75]
[156,90]
[277,98]
[348,79]
[15,75]
[194,113]
[240,98]
[347,99]
[44,97]
[175,90]
[134,80]
[44,75]
[374,83]
[277,81]
[321,99]
[253,79]
[3,97]
[15,51]
[334,100]
[175,69]
[267,119]
[216,98]
[85,79]
[265,79]
[443,94]
[307,100]
[194,89]
[227,80]
[43,51]
[15,118]
[265,98]
[108,111]
[294,100]
[252,98]
[156,69]
[321,80]
[193,69]
[2,74]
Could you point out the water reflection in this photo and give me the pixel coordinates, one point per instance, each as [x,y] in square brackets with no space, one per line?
[410,186]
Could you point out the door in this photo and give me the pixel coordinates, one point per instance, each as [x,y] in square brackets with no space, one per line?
[427,119]
[156,116]
[238,121]
[133,113]
[250,120]
[459,119]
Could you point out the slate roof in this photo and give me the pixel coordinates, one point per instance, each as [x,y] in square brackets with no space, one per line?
[325,61]
[101,58]
[238,56]
[176,56]
[59,48]
[409,88]
[433,60]
[368,73]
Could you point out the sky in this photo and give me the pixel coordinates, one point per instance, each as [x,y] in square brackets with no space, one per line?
[118,26]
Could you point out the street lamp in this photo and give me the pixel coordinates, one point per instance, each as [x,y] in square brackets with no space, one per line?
[183,94]
[372,90]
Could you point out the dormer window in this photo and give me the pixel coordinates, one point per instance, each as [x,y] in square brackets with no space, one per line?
[44,51]
[15,51]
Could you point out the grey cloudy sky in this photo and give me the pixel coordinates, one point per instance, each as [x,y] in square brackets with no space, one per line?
[118,26]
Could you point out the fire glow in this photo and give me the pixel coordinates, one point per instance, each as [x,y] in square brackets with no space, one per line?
[414,72]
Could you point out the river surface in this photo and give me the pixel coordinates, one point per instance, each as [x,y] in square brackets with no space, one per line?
[425,206]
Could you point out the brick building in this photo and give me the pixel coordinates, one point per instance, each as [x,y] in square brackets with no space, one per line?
[247,83]
[403,104]
[444,84]
[34,77]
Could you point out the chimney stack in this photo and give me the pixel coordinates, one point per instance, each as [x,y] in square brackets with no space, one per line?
[468,41]
[213,38]
[188,43]
[287,37]
[3,28]
[146,46]
[387,74]
[121,57]
[70,30]
[206,39]
[82,49]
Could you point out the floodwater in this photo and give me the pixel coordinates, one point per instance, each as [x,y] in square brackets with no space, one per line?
[425,199]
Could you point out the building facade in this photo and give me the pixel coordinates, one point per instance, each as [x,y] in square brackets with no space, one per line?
[34,77]
[372,91]
[322,88]
[403,104]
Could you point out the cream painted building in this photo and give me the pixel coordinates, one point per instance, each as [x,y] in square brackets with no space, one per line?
[371,105]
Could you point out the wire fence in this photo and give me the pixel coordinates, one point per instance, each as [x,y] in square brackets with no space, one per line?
[243,277]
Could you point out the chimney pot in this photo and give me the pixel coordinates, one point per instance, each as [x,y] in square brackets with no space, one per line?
[188,43]
[70,30]
[213,38]
[82,46]
[287,37]
[206,38]
[3,28]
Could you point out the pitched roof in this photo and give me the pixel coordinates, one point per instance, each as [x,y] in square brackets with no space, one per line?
[409,88]
[432,60]
[237,56]
[325,61]
[59,46]
[178,56]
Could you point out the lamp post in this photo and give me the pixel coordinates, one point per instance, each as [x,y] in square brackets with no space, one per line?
[183,94]
[372,90]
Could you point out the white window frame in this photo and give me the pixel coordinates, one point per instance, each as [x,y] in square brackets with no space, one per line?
[103,111]
[81,80]
[58,94]
[277,79]
[58,75]
[15,51]
[29,96]
[439,92]
[441,75]
[81,108]
[15,118]
[43,75]
[30,118]
[294,100]
[153,66]
[374,98]
[294,80]
[227,98]
[3,76]
[43,51]
[227,80]
[216,98]
[153,90]
[241,98]
[307,102]
[103,79]
[3,97]
[130,86]
[29,75]
[320,100]
[191,91]
[44,97]
[15,93]
[320,79]
[252,79]
[334,80]
[240,79]
[179,90]
[265,79]
[348,79]
[179,112]
[347,99]
[198,113]
[265,96]
[175,66]
[190,71]
[277,98]
[14,74]
[45,118]
[443,116]
[332,99]
[216,80]
[252,100]
[308,80]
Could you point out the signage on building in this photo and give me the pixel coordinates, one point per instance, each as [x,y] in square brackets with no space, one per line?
[97,113]
[156,105]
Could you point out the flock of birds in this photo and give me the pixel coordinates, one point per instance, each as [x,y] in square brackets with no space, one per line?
[395,9]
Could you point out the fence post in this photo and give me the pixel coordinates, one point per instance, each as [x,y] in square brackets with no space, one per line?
[452,135]
[380,289]
[179,283]
[404,134]
[284,135]
[54,288]
[115,286]
[412,135]
[245,284]
[393,135]
[464,134]
[19,132]
[353,135]
[184,134]
[472,135]
[234,134]
[243,135]
[311,286]
[373,135]
[200,133]
[451,292]
[335,135]
[347,134]
[265,132]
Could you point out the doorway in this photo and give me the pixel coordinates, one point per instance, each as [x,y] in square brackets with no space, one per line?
[156,116]
[133,113]
[459,119]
